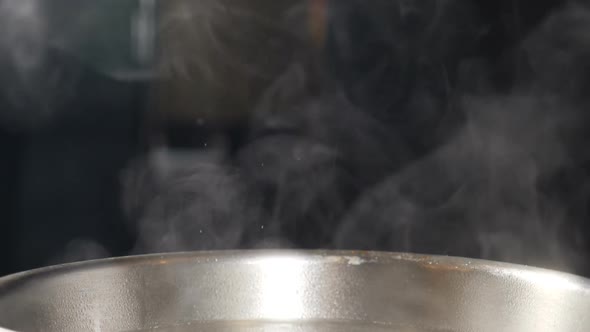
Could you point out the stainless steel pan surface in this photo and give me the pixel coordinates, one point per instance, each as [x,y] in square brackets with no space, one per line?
[294,291]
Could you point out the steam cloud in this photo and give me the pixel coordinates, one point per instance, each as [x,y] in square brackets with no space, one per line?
[33,83]
[331,174]
[23,29]
[398,158]
[21,48]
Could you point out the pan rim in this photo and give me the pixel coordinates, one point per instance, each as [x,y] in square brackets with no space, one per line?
[351,257]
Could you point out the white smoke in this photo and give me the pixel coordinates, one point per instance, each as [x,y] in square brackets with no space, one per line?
[33,86]
[24,28]
[481,194]
[327,173]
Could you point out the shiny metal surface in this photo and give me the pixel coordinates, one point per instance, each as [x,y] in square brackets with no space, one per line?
[400,291]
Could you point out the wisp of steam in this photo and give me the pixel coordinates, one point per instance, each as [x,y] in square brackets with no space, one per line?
[416,151]
[33,83]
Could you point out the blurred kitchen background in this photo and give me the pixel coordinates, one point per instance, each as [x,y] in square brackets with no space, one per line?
[92,92]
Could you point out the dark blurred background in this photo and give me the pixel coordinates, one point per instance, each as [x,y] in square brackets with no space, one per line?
[62,167]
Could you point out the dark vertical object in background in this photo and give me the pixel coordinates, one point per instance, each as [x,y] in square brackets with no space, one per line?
[10,168]
[66,177]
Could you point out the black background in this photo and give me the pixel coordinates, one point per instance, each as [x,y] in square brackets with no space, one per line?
[61,181]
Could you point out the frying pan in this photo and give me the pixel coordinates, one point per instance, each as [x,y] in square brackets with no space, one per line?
[294,291]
